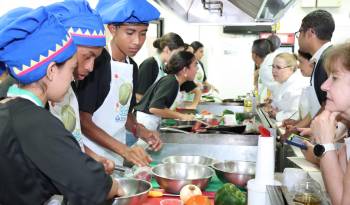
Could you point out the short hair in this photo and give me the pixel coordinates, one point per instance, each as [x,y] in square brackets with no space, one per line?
[196,45]
[305,55]
[275,41]
[290,59]
[262,47]
[322,22]
[340,52]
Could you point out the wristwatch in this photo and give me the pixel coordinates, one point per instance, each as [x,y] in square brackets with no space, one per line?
[321,149]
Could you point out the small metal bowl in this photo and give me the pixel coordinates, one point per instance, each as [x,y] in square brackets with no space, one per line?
[136,191]
[201,160]
[235,172]
[173,176]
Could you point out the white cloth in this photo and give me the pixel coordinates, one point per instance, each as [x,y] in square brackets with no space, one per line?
[151,122]
[316,57]
[347,146]
[199,74]
[67,109]
[287,98]
[113,113]
[160,70]
[266,80]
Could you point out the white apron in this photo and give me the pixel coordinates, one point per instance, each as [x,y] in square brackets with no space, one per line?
[113,113]
[347,146]
[314,105]
[160,70]
[199,78]
[68,112]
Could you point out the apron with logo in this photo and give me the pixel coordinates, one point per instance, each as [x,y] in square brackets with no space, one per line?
[113,113]
[68,112]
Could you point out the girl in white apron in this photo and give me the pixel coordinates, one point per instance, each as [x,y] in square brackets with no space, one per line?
[160,96]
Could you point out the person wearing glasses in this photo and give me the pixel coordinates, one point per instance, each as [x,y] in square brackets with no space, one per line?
[285,102]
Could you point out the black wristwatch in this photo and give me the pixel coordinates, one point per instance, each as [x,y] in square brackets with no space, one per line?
[321,149]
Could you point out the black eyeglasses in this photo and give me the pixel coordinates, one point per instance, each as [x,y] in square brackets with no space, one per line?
[297,34]
[279,67]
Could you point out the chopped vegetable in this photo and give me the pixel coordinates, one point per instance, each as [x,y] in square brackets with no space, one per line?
[198,200]
[229,194]
[227,112]
[188,191]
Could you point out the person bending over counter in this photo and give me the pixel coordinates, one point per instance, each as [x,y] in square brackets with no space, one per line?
[158,99]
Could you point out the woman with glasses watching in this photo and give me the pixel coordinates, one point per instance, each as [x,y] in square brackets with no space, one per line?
[285,102]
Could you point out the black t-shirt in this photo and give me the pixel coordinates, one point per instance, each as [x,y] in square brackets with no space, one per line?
[93,90]
[148,73]
[40,158]
[161,94]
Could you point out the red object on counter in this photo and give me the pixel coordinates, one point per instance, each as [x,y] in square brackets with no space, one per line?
[264,132]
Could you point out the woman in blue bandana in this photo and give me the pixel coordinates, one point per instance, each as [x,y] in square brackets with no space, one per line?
[106,97]
[40,157]
[87,30]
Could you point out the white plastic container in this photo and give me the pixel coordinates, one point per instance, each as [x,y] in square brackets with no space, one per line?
[257,194]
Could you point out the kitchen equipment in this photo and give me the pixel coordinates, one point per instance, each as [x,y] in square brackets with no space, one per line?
[235,128]
[235,172]
[173,176]
[135,190]
[201,160]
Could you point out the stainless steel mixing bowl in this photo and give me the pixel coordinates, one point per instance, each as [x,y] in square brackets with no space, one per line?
[135,190]
[235,172]
[207,161]
[173,176]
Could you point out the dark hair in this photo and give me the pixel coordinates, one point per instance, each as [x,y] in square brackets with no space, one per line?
[321,21]
[178,61]
[186,46]
[196,45]
[305,55]
[172,40]
[275,42]
[262,47]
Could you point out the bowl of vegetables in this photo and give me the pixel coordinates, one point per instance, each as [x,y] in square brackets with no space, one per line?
[235,172]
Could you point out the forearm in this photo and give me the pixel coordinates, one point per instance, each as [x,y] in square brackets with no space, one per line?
[165,113]
[197,97]
[99,136]
[138,97]
[333,176]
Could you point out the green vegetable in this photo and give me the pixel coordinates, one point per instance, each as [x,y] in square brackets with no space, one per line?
[125,91]
[227,112]
[229,194]
[68,117]
[240,118]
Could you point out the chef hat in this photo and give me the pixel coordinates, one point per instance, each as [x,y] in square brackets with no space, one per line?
[127,11]
[83,23]
[31,42]
[8,18]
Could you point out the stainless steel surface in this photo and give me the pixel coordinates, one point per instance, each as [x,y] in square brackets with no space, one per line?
[173,176]
[174,130]
[218,108]
[235,172]
[218,146]
[201,160]
[135,190]
[228,12]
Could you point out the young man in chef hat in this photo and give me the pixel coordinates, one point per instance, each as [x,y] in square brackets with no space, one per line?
[107,97]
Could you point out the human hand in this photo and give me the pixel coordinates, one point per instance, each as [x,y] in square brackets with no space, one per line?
[309,153]
[107,164]
[287,122]
[187,117]
[323,127]
[137,155]
[152,138]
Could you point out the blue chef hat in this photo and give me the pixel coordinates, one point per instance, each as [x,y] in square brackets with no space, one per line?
[127,11]
[83,23]
[8,18]
[31,42]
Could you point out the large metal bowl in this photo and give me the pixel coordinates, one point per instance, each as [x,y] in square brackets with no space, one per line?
[235,172]
[135,190]
[173,176]
[201,160]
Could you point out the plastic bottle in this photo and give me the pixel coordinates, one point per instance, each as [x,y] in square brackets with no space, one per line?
[248,103]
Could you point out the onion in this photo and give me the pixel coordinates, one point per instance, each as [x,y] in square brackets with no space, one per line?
[188,191]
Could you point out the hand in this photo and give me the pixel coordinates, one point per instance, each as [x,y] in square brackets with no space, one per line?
[323,127]
[305,131]
[107,164]
[287,122]
[137,155]
[151,137]
[192,107]
[187,117]
[309,153]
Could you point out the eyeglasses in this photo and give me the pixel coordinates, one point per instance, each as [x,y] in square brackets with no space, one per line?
[279,67]
[297,34]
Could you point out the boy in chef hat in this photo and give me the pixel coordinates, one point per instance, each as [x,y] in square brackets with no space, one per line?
[106,97]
